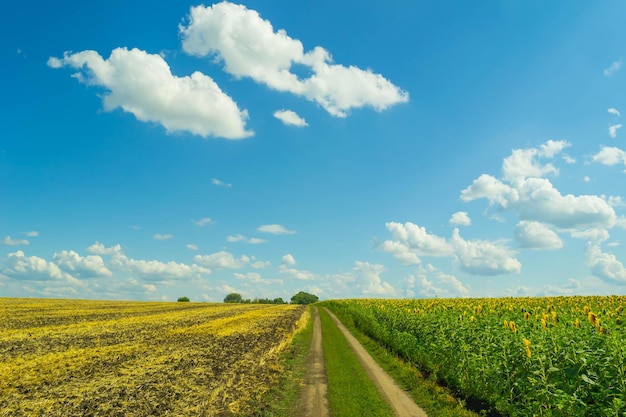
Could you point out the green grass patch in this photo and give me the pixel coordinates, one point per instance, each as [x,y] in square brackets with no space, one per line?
[350,391]
[436,400]
[282,399]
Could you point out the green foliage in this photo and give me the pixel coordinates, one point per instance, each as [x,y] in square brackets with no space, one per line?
[558,356]
[183,299]
[233,297]
[304,298]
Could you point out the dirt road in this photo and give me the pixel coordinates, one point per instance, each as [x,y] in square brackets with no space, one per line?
[314,403]
[402,404]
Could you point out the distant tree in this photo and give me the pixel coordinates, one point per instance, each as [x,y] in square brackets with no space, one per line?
[233,297]
[183,299]
[304,298]
[278,300]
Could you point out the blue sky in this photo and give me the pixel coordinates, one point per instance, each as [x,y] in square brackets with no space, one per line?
[412,149]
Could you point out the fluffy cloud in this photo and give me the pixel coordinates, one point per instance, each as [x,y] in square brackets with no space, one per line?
[439,284]
[32,233]
[142,84]
[242,238]
[298,274]
[367,278]
[19,266]
[260,264]
[290,118]
[222,260]
[535,235]
[480,257]
[614,67]
[525,162]
[99,249]
[220,183]
[460,218]
[191,246]
[81,267]
[613,130]
[249,47]
[609,155]
[156,270]
[475,257]
[288,259]
[275,229]
[203,222]
[14,242]
[614,111]
[605,265]
[160,236]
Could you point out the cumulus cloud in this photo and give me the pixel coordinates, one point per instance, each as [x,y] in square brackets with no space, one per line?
[536,235]
[480,257]
[613,130]
[143,84]
[191,246]
[260,264]
[288,259]
[290,118]
[222,260]
[614,111]
[526,162]
[32,233]
[81,266]
[440,284]
[477,257]
[203,222]
[242,238]
[160,236]
[99,249]
[154,270]
[367,278]
[9,241]
[610,155]
[275,229]
[249,47]
[460,218]
[19,266]
[220,183]
[614,67]
[605,265]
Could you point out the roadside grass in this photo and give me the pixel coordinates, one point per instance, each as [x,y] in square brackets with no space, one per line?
[282,399]
[436,400]
[350,391]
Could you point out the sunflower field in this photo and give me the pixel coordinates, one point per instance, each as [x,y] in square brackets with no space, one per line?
[552,356]
[104,358]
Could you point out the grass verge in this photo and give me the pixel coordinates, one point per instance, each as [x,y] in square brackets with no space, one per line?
[436,400]
[282,399]
[350,391]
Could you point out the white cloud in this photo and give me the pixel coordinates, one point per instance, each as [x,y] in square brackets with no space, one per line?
[536,235]
[32,233]
[480,257]
[14,242]
[81,267]
[255,278]
[460,218]
[605,265]
[275,229]
[290,118]
[203,222]
[99,249]
[142,84]
[440,284]
[220,183]
[610,155]
[288,259]
[298,274]
[260,264]
[156,270]
[525,162]
[614,67]
[222,260]
[613,130]
[191,246]
[614,111]
[415,239]
[586,179]
[160,236]
[249,47]
[242,238]
[19,266]
[367,278]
